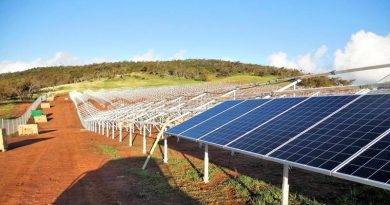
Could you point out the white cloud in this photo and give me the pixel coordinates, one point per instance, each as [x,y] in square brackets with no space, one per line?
[180,55]
[150,55]
[228,59]
[321,52]
[364,49]
[303,62]
[60,58]
[280,59]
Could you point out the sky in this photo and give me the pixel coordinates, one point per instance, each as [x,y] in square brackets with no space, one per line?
[313,36]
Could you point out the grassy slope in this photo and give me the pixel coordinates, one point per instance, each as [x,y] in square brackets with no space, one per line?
[136,80]
[6,110]
[145,80]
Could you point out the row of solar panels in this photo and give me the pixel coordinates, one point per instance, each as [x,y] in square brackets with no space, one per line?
[343,136]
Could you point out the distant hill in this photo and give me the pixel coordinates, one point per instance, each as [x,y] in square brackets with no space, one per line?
[23,84]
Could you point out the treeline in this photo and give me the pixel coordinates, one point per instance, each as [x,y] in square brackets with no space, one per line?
[24,84]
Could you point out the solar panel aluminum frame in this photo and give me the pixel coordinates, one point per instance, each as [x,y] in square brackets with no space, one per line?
[276,116]
[361,150]
[367,181]
[206,119]
[302,166]
[199,139]
[314,125]
[361,180]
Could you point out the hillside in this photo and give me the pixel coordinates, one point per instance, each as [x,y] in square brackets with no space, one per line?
[24,84]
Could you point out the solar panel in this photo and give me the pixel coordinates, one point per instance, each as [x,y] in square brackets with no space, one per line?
[203,116]
[372,164]
[236,111]
[337,138]
[247,122]
[276,132]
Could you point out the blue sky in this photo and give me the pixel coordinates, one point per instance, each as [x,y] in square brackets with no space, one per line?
[249,31]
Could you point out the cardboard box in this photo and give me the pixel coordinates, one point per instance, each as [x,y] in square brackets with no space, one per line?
[50,99]
[45,105]
[40,119]
[3,140]
[30,129]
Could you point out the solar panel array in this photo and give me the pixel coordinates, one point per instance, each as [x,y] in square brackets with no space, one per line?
[373,163]
[328,134]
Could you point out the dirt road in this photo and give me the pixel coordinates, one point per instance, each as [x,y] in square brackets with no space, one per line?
[63,165]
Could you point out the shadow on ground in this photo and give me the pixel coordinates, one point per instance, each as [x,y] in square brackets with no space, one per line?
[26,142]
[121,181]
[46,131]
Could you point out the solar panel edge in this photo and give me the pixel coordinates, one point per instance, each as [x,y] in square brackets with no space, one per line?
[241,101]
[315,124]
[361,180]
[243,116]
[361,151]
[197,115]
[278,115]
[233,120]
[212,124]
[268,158]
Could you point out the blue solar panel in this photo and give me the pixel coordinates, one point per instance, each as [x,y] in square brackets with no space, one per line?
[276,132]
[213,123]
[373,163]
[250,121]
[202,117]
[336,139]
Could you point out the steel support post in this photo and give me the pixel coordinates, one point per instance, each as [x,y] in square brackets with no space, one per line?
[199,144]
[144,139]
[107,131]
[150,131]
[103,128]
[98,124]
[113,130]
[285,186]
[206,164]
[165,149]
[131,135]
[120,132]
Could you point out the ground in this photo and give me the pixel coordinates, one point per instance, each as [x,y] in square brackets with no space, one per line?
[13,109]
[66,164]
[147,80]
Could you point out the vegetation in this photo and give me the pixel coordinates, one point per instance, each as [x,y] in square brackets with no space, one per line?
[24,84]
[109,151]
[6,110]
[324,82]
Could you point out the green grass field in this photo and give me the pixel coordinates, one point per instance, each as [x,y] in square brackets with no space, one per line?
[6,110]
[146,80]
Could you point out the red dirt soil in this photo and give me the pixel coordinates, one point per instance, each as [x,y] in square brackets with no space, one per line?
[62,165]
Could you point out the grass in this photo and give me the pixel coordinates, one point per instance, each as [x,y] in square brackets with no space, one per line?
[109,151]
[6,110]
[152,183]
[224,186]
[132,81]
[145,80]
[244,79]
[12,108]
